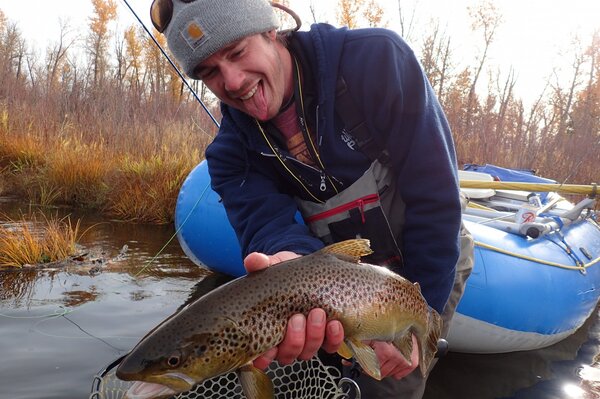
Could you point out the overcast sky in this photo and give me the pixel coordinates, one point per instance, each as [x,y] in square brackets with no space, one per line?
[535,37]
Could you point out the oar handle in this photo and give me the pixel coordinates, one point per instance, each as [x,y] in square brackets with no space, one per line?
[591,189]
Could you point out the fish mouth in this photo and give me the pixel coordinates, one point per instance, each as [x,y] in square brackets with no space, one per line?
[162,386]
[179,381]
[148,390]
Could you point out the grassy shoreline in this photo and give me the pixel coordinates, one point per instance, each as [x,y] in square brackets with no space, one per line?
[36,238]
[136,186]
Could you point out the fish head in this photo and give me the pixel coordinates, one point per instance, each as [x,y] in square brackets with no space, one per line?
[179,360]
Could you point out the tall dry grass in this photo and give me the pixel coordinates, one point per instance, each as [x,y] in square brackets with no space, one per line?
[35,239]
[128,163]
[145,190]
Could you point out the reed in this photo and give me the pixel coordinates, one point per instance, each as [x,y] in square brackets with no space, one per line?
[134,174]
[79,172]
[145,190]
[37,239]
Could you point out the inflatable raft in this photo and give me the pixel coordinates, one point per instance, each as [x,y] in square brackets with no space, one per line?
[536,277]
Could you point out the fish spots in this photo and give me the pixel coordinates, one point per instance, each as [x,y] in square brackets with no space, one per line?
[200,350]
[235,322]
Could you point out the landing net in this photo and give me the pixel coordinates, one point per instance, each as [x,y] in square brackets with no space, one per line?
[300,380]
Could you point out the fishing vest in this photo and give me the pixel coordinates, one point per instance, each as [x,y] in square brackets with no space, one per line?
[371,207]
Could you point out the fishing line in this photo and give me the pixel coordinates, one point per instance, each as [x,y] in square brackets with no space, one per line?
[572,171]
[55,314]
[92,335]
[37,329]
[63,312]
[183,79]
[174,234]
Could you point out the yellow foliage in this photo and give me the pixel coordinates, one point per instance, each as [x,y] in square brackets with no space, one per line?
[348,11]
[104,12]
[33,241]
[146,190]
[79,170]
[4,120]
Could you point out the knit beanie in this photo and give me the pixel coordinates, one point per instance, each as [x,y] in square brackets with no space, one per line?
[200,28]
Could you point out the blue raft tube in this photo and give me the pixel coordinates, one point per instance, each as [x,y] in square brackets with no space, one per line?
[535,281]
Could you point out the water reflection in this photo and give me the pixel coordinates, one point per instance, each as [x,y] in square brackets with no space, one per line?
[16,285]
[548,373]
[65,322]
[590,379]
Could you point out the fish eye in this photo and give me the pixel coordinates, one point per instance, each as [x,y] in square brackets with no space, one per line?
[174,360]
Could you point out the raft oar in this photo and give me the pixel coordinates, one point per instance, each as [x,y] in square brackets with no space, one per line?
[591,189]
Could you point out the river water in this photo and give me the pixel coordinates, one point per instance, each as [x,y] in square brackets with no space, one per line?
[59,326]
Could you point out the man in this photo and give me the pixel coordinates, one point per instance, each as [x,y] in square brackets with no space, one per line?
[341,125]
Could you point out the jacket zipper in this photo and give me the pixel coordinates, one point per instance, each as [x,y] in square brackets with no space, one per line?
[322,175]
[357,203]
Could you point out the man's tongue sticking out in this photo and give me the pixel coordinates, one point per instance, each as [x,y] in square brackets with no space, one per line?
[256,105]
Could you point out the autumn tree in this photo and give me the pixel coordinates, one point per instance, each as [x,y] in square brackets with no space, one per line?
[373,13]
[407,19]
[564,97]
[436,58]
[505,92]
[347,12]
[285,19]
[486,19]
[105,11]
[56,55]
[134,58]
[156,73]
[586,110]
[13,51]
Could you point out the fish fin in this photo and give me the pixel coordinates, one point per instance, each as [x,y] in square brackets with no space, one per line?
[351,250]
[429,348]
[255,383]
[418,286]
[404,344]
[344,351]
[366,357]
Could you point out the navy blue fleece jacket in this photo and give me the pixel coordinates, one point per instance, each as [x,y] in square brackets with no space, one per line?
[403,116]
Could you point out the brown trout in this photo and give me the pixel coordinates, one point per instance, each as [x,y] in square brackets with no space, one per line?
[226,329]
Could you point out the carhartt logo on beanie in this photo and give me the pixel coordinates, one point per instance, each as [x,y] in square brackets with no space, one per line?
[200,28]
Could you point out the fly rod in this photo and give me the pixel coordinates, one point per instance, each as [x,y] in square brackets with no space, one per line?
[164,53]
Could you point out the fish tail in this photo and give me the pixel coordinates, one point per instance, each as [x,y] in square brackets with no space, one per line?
[429,348]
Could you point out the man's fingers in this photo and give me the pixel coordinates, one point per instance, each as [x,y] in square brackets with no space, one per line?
[256,261]
[334,336]
[263,361]
[315,333]
[290,348]
[391,361]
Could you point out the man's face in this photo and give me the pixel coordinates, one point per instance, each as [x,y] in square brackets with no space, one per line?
[253,74]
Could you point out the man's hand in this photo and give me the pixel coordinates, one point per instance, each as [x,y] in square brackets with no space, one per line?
[391,362]
[304,335]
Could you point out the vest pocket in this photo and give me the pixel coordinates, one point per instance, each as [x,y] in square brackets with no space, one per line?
[356,212]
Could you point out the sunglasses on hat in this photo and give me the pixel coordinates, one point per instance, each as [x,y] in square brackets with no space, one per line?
[161,12]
